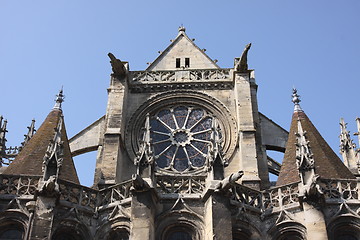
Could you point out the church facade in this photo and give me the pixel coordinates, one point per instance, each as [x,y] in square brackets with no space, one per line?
[181,155]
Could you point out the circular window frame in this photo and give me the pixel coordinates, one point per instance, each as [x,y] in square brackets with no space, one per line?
[191,98]
[192,137]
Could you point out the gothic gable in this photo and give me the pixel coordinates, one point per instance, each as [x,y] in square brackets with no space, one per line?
[182,53]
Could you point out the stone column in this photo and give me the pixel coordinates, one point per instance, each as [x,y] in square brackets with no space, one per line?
[245,105]
[110,152]
[42,219]
[314,222]
[218,224]
[142,216]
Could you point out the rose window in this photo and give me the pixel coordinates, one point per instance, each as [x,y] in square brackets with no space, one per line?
[181,138]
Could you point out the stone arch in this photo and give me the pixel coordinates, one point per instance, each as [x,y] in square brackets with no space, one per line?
[288,230]
[118,228]
[13,224]
[245,230]
[182,222]
[213,105]
[344,227]
[70,230]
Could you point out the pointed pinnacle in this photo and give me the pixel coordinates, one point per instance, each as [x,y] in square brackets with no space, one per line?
[30,134]
[296,100]
[59,99]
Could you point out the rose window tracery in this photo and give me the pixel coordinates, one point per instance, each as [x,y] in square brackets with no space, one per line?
[181,137]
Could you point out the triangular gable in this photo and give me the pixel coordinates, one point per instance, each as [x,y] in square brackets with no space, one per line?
[181,48]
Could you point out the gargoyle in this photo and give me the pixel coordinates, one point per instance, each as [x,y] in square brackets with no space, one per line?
[242,65]
[226,182]
[118,67]
[139,184]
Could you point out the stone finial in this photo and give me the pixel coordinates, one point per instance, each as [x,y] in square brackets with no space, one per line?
[182,28]
[296,100]
[59,99]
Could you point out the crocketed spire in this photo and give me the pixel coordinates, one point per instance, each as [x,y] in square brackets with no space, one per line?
[327,163]
[30,161]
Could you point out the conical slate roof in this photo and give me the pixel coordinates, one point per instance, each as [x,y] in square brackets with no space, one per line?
[30,160]
[327,163]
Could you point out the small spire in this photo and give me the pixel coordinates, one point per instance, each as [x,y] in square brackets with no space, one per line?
[358,129]
[59,99]
[346,142]
[31,132]
[3,132]
[347,148]
[296,100]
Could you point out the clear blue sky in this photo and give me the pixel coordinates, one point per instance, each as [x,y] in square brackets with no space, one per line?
[313,45]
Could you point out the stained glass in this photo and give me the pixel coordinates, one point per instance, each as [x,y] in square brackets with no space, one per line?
[180,114]
[181,137]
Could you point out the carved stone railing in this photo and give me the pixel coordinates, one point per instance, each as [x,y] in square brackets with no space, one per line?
[172,186]
[246,197]
[336,190]
[115,194]
[281,197]
[14,185]
[271,200]
[180,75]
[77,194]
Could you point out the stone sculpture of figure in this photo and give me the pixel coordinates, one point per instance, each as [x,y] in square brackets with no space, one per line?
[242,65]
[118,67]
[50,187]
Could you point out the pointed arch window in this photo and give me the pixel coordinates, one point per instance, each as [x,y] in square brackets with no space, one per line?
[180,233]
[12,232]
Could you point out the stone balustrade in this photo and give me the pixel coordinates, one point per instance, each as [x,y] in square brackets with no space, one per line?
[180,75]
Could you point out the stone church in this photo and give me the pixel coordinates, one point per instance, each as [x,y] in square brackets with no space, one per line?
[181,154]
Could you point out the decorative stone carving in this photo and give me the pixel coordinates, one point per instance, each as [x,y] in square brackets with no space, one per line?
[50,187]
[53,157]
[118,67]
[346,143]
[241,65]
[30,133]
[196,100]
[304,156]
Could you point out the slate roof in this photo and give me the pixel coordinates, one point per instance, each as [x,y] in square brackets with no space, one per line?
[29,161]
[327,163]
